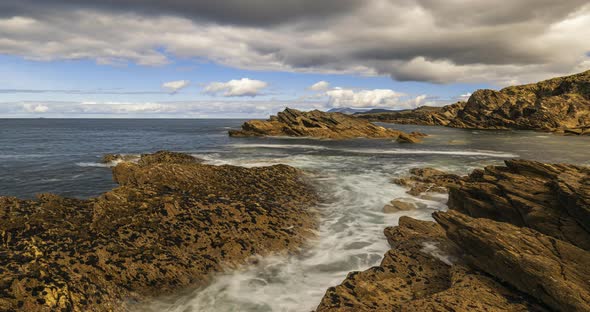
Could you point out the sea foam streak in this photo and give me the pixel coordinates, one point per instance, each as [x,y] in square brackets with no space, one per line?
[394,151]
[350,238]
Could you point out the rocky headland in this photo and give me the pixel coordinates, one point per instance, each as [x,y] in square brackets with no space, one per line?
[515,238]
[170,223]
[318,124]
[560,105]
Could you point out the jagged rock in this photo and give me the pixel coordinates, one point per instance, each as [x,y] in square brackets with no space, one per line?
[398,205]
[559,105]
[552,199]
[292,122]
[416,275]
[116,158]
[551,270]
[423,180]
[413,137]
[170,224]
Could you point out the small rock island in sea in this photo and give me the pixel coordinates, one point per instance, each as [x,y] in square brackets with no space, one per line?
[318,124]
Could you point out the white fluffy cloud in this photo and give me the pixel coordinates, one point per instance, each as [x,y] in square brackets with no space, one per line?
[242,87]
[339,97]
[423,40]
[175,86]
[320,86]
[35,108]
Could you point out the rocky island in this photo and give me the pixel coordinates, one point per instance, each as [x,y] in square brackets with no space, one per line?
[515,238]
[317,124]
[560,105]
[170,223]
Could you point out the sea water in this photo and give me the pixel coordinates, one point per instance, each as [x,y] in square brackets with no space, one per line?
[352,177]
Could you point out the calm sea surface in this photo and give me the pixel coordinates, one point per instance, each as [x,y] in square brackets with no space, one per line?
[62,156]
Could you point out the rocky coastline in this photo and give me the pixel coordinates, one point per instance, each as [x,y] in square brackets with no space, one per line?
[317,124]
[170,223]
[515,238]
[560,105]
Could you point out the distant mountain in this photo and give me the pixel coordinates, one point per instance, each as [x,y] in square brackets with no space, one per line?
[347,110]
[376,111]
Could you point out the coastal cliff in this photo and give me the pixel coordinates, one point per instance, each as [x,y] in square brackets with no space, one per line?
[171,223]
[317,124]
[515,238]
[560,105]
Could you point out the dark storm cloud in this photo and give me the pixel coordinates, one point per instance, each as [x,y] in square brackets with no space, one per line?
[239,12]
[422,40]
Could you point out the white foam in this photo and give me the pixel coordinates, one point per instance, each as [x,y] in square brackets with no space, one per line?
[283,146]
[350,238]
[392,151]
[432,249]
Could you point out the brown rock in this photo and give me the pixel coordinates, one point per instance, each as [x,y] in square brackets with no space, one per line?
[552,199]
[558,105]
[170,224]
[291,122]
[398,205]
[423,180]
[412,277]
[553,271]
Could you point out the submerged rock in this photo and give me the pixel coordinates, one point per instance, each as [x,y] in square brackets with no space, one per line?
[170,224]
[560,105]
[292,122]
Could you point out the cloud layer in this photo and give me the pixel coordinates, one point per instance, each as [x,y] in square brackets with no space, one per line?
[421,40]
[232,88]
[175,86]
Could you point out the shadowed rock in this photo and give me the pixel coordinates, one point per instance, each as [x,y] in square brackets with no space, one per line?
[171,222]
[555,272]
[317,124]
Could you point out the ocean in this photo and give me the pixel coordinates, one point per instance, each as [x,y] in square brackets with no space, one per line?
[353,178]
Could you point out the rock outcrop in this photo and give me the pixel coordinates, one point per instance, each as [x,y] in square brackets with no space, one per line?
[317,124]
[422,272]
[515,239]
[171,222]
[559,105]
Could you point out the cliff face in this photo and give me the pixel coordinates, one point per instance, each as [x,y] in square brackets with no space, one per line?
[516,238]
[557,105]
[171,222]
[292,122]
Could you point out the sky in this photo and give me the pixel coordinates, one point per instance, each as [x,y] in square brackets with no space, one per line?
[242,59]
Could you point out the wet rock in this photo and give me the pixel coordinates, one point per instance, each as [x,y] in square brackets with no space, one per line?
[414,137]
[557,105]
[116,158]
[423,180]
[398,205]
[291,122]
[553,271]
[171,223]
[412,277]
